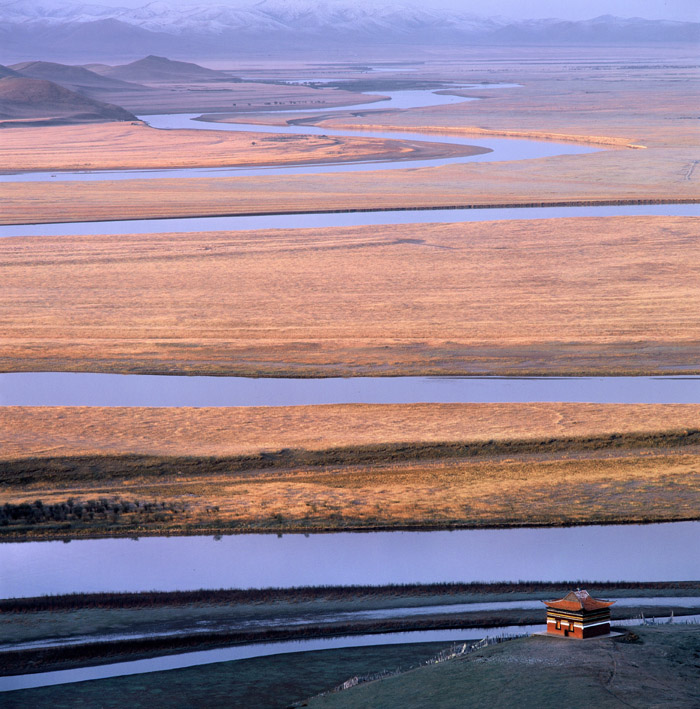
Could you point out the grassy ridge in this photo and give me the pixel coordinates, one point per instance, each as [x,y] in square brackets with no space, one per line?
[615,479]
[652,667]
[76,468]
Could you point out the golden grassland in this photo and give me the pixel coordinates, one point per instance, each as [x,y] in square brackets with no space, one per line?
[605,177]
[110,146]
[515,465]
[40,432]
[595,295]
[598,110]
[451,493]
[614,101]
[572,296]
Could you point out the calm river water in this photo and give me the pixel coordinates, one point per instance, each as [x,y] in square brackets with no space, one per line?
[242,652]
[496,148]
[341,219]
[657,552]
[91,389]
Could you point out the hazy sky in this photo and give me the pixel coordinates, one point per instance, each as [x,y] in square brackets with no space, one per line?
[517,9]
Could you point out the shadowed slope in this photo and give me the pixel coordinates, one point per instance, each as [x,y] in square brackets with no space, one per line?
[654,667]
[160,70]
[75,78]
[29,99]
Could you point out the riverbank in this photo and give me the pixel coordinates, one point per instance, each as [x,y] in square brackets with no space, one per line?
[136,146]
[261,682]
[72,631]
[512,183]
[153,471]
[604,97]
[287,679]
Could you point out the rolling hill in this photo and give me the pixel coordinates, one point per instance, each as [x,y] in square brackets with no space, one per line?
[153,69]
[30,101]
[75,78]
[6,71]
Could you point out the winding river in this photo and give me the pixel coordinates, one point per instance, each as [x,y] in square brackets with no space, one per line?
[497,149]
[242,652]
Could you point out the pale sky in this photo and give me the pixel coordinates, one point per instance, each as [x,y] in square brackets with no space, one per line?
[516,9]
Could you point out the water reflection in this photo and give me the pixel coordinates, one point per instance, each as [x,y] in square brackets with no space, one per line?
[658,552]
[341,219]
[207,657]
[91,389]
[506,148]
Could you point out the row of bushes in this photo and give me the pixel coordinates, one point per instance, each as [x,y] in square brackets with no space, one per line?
[31,513]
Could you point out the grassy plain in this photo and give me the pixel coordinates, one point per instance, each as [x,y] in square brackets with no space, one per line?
[655,669]
[601,97]
[351,467]
[126,626]
[584,296]
[567,296]
[59,431]
[151,635]
[99,614]
[264,683]
[111,146]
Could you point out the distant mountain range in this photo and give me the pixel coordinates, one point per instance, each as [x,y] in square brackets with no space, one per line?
[60,28]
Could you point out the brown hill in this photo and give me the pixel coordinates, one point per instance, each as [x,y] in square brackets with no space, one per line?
[76,78]
[31,100]
[159,70]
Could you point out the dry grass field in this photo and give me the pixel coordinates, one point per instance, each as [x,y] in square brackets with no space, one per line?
[347,467]
[607,176]
[613,295]
[110,146]
[42,432]
[549,297]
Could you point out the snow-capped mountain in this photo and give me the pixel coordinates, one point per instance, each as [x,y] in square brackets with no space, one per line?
[57,27]
[159,16]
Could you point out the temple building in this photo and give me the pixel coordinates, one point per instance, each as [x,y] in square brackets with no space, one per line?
[578,615]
